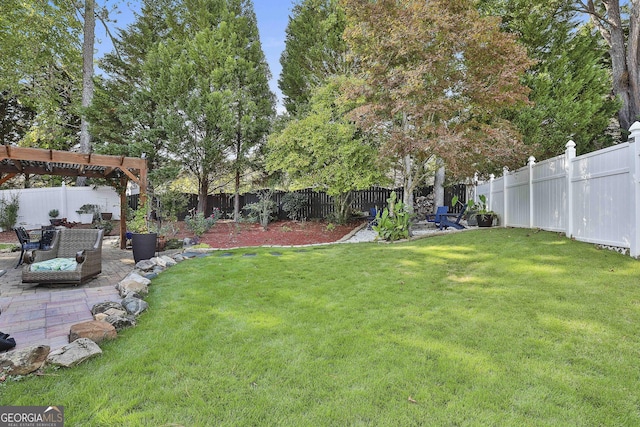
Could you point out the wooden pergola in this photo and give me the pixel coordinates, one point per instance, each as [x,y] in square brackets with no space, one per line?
[36,161]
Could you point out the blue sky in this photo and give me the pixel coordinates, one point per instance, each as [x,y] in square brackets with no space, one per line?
[273,16]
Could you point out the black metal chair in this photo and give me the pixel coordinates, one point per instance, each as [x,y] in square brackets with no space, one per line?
[25,243]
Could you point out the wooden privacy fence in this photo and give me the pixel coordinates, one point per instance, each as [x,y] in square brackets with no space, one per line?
[319,204]
[593,198]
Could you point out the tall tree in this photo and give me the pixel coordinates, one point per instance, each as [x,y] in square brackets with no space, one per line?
[623,39]
[314,51]
[325,151]
[570,82]
[247,79]
[435,75]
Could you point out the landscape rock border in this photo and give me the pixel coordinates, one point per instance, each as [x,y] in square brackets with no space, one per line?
[109,318]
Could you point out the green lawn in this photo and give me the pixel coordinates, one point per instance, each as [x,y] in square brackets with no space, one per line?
[492,327]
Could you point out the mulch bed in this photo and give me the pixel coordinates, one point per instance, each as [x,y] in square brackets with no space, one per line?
[228,234]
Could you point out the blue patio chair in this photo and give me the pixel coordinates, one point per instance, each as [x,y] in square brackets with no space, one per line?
[436,218]
[446,222]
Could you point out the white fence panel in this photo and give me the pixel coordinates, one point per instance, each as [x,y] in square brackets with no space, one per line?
[35,203]
[517,213]
[594,198]
[602,206]
[549,188]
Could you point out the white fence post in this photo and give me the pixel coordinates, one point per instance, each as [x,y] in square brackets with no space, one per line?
[570,154]
[63,201]
[491,178]
[531,163]
[505,173]
[634,244]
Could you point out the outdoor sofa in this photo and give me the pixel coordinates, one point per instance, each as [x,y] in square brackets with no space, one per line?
[75,257]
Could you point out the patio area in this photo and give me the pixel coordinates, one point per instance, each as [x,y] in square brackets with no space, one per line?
[43,315]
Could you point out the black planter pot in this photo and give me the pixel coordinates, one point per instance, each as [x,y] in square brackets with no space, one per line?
[143,246]
[484,220]
[106,215]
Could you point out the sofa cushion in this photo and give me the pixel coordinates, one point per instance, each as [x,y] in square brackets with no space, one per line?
[55,264]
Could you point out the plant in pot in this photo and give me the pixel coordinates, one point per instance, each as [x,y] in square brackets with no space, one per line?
[88,213]
[143,241]
[484,216]
[53,217]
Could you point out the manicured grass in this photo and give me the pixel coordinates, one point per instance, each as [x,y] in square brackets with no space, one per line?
[493,327]
[7,246]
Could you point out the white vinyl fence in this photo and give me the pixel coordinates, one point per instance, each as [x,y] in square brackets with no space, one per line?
[35,203]
[593,198]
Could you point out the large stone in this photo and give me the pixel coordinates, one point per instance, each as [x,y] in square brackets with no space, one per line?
[97,331]
[169,262]
[121,322]
[25,360]
[159,262]
[128,287]
[104,306]
[145,264]
[138,278]
[134,305]
[74,353]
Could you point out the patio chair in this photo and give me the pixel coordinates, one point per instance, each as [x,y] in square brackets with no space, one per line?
[445,222]
[371,219]
[75,257]
[435,218]
[25,243]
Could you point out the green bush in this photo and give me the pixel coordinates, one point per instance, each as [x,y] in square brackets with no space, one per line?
[9,212]
[293,203]
[264,208]
[198,224]
[393,223]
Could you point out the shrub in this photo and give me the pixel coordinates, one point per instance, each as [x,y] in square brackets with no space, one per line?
[198,224]
[293,203]
[263,208]
[393,223]
[9,212]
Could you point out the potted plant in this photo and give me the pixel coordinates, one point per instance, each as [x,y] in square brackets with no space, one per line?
[143,241]
[107,226]
[88,213]
[53,217]
[484,216]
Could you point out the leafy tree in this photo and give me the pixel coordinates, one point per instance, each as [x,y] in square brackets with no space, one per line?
[570,82]
[325,151]
[434,77]
[623,38]
[314,51]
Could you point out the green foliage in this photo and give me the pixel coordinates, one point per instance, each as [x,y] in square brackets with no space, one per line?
[293,203]
[105,225]
[170,204]
[198,224]
[140,221]
[9,211]
[263,209]
[314,52]
[393,223]
[324,150]
[53,213]
[570,82]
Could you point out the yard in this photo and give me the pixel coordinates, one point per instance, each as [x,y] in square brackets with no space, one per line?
[488,327]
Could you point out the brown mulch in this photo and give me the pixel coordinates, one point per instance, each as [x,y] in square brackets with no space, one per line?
[228,234]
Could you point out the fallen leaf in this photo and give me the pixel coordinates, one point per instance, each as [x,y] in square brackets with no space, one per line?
[412,400]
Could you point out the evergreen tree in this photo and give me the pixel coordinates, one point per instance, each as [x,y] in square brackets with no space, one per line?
[570,82]
[314,51]
[247,78]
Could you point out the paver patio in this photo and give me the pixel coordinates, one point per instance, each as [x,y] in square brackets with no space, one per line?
[43,315]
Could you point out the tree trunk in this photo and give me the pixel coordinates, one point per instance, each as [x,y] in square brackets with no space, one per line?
[236,198]
[407,197]
[624,54]
[438,187]
[203,193]
[87,77]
